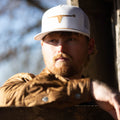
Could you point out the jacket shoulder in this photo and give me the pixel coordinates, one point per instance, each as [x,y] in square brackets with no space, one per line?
[23,77]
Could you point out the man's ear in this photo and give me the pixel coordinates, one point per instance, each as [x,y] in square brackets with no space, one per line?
[91,46]
[41,42]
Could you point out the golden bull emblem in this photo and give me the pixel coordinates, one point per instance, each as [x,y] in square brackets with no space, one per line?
[61,16]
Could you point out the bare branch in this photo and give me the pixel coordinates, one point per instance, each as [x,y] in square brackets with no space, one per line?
[36,4]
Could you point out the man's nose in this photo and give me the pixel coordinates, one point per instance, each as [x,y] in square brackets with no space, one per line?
[61,47]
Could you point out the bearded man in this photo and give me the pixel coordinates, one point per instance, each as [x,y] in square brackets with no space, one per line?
[66,47]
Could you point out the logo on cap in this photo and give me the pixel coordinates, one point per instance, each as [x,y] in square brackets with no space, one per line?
[59,17]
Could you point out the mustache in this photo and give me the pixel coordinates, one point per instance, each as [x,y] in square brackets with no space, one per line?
[62,55]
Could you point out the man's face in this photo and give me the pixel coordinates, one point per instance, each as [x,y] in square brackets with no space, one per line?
[65,53]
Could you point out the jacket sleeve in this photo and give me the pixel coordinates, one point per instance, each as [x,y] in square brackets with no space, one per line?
[27,90]
[12,93]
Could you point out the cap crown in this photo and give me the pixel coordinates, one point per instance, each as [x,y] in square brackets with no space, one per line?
[64,18]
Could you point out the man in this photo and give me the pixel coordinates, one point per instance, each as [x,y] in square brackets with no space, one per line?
[66,47]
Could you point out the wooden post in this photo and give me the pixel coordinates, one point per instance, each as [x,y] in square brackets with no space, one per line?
[73,2]
[102,65]
[117,32]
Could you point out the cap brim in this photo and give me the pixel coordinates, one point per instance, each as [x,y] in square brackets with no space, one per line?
[41,35]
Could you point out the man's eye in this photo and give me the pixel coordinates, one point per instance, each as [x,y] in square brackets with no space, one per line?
[52,41]
[71,39]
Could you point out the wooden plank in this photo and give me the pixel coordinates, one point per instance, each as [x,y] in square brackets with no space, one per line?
[80,112]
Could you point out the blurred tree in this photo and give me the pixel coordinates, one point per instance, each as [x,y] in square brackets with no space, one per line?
[20,20]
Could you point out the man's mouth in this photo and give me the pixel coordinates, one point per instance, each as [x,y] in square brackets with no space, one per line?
[62,59]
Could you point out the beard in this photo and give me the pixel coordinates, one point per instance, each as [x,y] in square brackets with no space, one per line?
[63,66]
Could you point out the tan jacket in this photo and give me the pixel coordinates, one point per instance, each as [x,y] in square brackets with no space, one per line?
[45,90]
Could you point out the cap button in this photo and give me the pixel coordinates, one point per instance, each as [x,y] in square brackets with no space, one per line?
[77,96]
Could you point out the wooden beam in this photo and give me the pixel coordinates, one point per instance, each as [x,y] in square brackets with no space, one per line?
[117,34]
[41,113]
[101,66]
[73,2]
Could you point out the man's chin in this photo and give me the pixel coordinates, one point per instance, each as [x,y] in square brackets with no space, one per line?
[61,64]
[64,71]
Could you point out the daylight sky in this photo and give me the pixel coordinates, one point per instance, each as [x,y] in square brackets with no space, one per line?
[19,22]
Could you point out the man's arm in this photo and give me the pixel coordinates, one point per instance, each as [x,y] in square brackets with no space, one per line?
[106,98]
[13,92]
[46,90]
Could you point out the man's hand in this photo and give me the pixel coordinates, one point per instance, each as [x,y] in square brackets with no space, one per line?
[106,98]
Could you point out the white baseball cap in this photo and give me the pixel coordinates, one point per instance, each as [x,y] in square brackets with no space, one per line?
[64,18]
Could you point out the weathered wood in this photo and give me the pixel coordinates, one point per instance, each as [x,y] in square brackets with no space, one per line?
[36,113]
[117,30]
[73,2]
[102,65]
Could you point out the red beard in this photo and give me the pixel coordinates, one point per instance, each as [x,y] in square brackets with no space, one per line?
[62,65]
